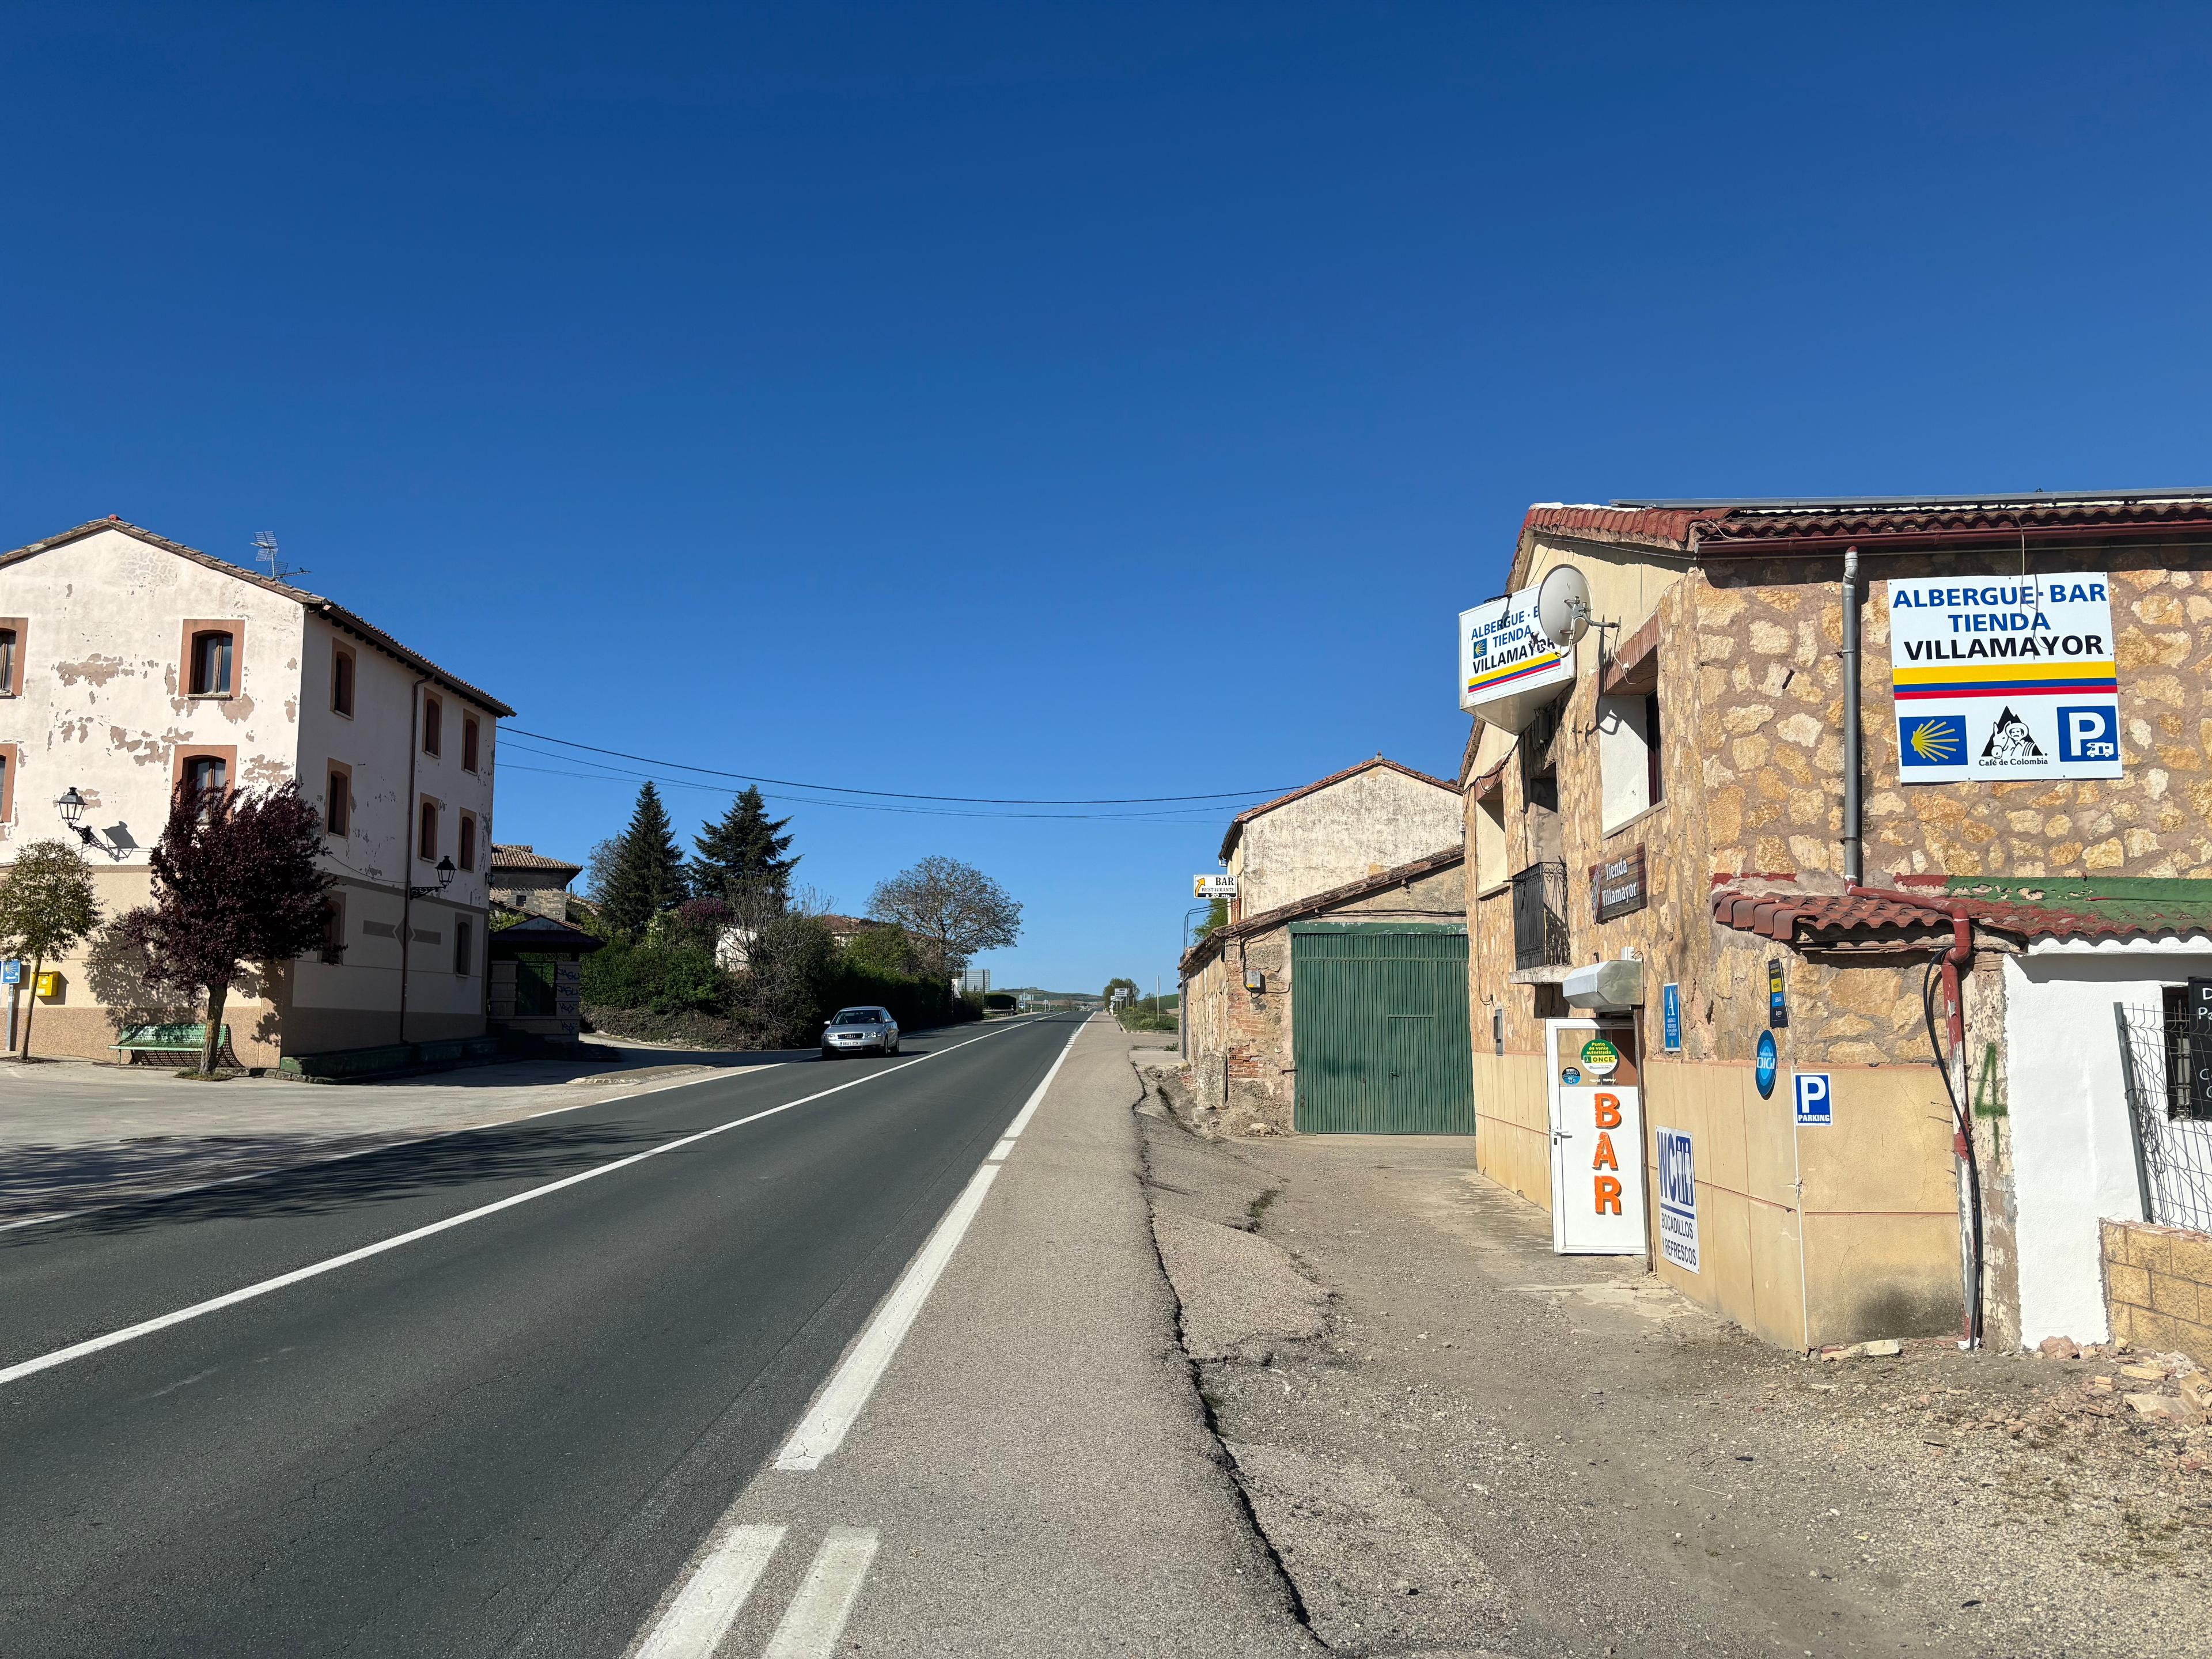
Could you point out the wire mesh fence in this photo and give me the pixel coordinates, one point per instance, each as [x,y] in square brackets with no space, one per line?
[2162,1056]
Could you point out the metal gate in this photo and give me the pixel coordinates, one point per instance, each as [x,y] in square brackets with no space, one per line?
[1379,1029]
[2174,1142]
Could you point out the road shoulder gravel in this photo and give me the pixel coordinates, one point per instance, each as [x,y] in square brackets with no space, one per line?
[1487,1449]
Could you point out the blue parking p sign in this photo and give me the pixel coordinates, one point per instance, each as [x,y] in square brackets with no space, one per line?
[1816,1101]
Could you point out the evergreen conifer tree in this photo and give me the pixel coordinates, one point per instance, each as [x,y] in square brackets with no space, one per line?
[646,875]
[742,857]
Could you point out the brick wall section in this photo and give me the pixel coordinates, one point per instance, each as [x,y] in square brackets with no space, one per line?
[1242,1043]
[2158,1288]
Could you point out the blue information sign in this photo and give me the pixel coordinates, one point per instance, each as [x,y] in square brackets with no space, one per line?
[1764,1076]
[1816,1100]
[11,972]
[1670,1004]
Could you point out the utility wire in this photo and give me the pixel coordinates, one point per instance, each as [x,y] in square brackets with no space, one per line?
[612,776]
[899,795]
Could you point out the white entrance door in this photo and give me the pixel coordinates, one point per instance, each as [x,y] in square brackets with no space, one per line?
[1597,1139]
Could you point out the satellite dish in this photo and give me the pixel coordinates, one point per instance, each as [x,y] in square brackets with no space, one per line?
[1563,605]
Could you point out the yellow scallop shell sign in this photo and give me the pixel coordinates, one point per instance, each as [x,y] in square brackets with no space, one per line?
[1601,1056]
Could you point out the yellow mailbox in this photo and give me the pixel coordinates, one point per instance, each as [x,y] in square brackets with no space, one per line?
[50,985]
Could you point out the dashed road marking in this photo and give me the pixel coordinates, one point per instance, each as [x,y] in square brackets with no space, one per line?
[816,1615]
[712,1597]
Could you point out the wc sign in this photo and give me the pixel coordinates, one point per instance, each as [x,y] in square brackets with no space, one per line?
[1816,1100]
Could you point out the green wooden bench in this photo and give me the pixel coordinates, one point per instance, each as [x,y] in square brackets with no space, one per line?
[173,1042]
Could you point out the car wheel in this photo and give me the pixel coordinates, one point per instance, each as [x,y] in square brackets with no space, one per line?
[893,1049]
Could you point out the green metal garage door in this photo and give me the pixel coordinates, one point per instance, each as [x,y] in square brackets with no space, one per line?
[1378,1015]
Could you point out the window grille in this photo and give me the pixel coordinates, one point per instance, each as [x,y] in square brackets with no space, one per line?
[2161,1060]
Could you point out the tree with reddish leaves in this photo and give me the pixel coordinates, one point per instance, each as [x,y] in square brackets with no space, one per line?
[235,882]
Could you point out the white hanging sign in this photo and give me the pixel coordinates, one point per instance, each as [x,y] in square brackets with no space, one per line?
[1999,678]
[1503,653]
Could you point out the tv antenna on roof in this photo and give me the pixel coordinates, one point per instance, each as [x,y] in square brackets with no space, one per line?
[265,552]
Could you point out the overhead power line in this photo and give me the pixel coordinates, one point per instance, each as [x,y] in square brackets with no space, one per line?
[1166,817]
[899,795]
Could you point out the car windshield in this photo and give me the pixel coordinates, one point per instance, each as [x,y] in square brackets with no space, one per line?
[857,1016]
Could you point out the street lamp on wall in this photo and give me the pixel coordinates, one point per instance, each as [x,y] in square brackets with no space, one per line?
[71,805]
[444,880]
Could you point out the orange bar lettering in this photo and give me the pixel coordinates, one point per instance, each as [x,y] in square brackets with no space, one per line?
[1605,1159]
[1608,1111]
[1608,1195]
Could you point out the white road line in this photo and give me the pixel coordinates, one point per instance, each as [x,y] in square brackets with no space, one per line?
[839,1405]
[315,1270]
[999,1152]
[816,1616]
[712,1597]
[1028,1109]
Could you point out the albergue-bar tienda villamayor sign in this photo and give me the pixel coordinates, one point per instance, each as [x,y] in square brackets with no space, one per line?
[2003,677]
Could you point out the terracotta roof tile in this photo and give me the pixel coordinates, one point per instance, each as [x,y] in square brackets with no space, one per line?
[517,855]
[2023,909]
[332,611]
[1349,892]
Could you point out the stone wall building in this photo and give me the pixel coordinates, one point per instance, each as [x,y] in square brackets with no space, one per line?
[1374,849]
[526,880]
[132,664]
[1688,787]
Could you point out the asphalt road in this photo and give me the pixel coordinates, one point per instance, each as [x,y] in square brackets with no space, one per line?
[507,1437]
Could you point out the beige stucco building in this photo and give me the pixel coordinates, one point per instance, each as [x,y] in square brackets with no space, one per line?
[1682,801]
[134,662]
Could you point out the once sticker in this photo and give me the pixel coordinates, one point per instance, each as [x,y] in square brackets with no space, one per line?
[1601,1056]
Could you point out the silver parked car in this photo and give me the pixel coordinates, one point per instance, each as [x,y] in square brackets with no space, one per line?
[859,1031]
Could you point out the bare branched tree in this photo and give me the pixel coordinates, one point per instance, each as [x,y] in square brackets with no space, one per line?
[951,910]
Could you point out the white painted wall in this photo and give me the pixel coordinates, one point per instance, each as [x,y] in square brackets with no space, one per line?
[1372,821]
[103,707]
[103,710]
[2074,1156]
[1624,761]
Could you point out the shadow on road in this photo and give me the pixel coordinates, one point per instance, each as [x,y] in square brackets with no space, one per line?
[35,1181]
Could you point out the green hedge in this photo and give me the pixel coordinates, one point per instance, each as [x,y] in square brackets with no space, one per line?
[797,979]
[667,979]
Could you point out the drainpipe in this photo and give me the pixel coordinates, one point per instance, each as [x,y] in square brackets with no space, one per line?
[407,825]
[1853,815]
[1967,1163]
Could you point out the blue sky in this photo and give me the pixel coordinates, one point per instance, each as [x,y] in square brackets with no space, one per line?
[1055,401]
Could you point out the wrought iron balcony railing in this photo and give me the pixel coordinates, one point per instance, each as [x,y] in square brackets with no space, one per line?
[1540,916]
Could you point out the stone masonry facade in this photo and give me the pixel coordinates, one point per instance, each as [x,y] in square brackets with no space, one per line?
[2158,1288]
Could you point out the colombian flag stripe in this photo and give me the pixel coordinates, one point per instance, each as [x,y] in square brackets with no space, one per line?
[2107,687]
[1497,676]
[1961,673]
